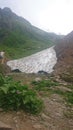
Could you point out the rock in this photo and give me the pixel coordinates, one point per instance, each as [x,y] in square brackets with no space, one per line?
[44,116]
[37,79]
[37,126]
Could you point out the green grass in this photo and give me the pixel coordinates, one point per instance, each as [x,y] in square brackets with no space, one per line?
[17,45]
[44,84]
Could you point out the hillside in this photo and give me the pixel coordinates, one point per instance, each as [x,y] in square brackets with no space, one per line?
[64,51]
[19,38]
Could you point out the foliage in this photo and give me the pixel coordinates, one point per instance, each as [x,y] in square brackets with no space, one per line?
[15,96]
[44,84]
[69,97]
[48,86]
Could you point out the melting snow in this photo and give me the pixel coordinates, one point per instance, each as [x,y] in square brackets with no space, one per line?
[42,61]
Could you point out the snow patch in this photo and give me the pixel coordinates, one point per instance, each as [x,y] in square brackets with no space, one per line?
[42,61]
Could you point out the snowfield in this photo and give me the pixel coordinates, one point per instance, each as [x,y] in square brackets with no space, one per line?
[42,61]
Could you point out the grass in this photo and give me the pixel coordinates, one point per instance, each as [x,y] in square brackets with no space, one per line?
[44,84]
[18,43]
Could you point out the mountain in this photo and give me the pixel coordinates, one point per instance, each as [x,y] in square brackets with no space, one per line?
[18,38]
[64,51]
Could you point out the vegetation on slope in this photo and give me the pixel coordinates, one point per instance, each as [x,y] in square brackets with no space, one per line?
[19,38]
[15,96]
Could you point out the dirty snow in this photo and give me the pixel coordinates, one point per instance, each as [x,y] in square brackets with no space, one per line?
[42,61]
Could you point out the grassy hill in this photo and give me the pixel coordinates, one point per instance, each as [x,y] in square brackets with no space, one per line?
[19,38]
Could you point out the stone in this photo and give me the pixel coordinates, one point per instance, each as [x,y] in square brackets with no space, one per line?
[37,126]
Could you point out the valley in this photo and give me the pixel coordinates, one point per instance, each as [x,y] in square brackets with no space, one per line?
[36,77]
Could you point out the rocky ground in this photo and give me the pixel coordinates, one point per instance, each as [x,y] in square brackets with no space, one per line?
[56,114]
[64,52]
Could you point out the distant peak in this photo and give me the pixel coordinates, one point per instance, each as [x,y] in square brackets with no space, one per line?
[7,9]
[71,33]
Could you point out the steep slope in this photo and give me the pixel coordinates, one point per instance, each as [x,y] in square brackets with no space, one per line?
[19,38]
[64,51]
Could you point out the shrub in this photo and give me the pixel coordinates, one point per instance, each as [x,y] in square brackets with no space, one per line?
[15,96]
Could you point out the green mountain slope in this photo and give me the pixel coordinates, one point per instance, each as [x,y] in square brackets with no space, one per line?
[19,38]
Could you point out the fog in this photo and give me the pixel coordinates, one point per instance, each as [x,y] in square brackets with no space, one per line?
[49,15]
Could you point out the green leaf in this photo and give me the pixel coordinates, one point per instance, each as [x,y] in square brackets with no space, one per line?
[4,89]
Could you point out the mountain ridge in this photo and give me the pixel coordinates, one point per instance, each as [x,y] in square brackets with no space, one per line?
[18,38]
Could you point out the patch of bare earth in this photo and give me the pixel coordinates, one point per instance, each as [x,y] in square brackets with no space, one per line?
[54,109]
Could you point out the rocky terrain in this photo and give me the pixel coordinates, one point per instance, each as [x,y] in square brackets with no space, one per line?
[64,52]
[57,114]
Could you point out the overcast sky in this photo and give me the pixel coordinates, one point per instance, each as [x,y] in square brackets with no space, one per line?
[50,15]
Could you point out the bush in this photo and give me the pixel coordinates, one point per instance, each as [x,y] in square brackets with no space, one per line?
[15,96]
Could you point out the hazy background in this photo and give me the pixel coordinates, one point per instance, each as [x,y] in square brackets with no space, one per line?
[50,15]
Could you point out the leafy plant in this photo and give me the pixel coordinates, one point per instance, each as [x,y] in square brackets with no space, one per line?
[15,96]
